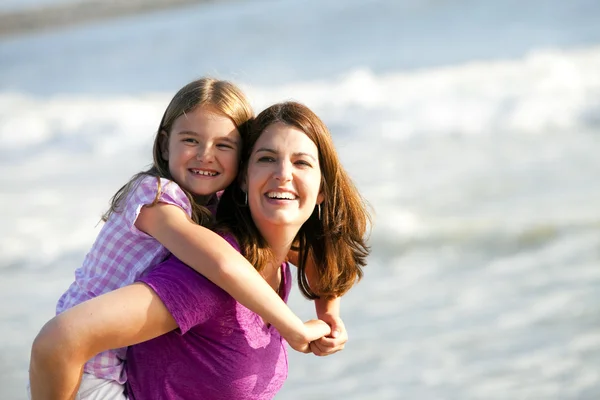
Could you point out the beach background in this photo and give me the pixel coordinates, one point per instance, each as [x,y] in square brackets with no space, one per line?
[472,128]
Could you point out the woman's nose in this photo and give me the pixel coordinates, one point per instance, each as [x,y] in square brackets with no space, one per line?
[283,172]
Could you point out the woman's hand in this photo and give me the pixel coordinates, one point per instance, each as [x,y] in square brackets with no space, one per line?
[313,330]
[334,342]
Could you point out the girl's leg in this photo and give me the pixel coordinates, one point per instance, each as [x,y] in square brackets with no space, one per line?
[93,388]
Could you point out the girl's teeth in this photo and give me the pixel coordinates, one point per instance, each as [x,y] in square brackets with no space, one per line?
[205,173]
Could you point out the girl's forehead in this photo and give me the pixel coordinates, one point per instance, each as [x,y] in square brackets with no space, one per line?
[205,122]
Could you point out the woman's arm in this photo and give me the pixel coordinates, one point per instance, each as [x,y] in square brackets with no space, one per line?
[211,255]
[328,310]
[124,317]
[121,318]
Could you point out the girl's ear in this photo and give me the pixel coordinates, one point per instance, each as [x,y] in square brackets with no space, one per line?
[163,142]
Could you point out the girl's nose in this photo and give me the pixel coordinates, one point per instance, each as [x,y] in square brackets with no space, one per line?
[205,153]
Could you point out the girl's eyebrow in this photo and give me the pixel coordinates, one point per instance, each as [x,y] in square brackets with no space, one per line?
[297,154]
[228,139]
[225,138]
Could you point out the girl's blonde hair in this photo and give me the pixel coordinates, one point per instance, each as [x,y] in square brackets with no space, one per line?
[222,96]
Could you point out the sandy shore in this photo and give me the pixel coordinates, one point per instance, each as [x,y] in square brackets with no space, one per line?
[14,23]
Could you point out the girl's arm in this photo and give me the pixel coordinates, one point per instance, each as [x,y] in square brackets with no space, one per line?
[328,310]
[124,317]
[121,318]
[211,255]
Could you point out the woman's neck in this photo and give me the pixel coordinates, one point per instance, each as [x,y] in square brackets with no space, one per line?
[280,241]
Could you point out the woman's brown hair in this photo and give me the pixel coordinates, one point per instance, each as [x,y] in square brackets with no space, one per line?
[335,239]
[221,96]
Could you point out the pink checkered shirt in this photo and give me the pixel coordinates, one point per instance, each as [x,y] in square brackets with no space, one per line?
[119,256]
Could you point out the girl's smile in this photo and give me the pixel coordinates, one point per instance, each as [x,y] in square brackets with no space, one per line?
[204,172]
[203,151]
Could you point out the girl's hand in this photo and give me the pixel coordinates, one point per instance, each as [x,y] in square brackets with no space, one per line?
[334,342]
[313,330]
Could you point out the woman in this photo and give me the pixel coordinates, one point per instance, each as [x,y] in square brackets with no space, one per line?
[292,190]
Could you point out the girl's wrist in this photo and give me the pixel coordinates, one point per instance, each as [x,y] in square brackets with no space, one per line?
[294,331]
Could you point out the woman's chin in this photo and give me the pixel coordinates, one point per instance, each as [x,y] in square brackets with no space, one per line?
[282,220]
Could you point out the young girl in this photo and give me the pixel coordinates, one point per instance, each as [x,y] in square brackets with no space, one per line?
[161,210]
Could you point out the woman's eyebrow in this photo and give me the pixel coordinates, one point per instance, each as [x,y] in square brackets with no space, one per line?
[297,154]
[265,149]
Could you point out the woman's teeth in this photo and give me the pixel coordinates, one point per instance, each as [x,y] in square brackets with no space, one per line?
[281,195]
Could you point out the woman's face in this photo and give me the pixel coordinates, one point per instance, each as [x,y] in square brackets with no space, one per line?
[283,178]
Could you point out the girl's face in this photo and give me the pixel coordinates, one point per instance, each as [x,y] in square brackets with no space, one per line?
[284,177]
[203,151]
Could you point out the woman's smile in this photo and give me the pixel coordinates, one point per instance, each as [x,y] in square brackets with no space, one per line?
[284,177]
[281,196]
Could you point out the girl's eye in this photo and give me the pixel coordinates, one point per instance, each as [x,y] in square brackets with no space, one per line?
[224,146]
[190,140]
[266,159]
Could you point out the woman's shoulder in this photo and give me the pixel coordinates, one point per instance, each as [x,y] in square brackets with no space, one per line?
[172,263]
[231,239]
[173,277]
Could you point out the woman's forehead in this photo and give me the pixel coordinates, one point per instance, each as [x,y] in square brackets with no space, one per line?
[283,137]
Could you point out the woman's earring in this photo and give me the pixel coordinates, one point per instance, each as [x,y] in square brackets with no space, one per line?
[245,198]
[319,209]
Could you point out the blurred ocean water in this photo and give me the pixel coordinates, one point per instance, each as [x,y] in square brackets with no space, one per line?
[23,5]
[471,127]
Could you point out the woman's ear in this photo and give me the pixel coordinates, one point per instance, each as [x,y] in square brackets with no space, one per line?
[163,142]
[320,198]
[242,178]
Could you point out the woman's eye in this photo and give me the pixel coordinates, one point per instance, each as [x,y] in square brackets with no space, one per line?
[303,163]
[190,140]
[224,146]
[266,159]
